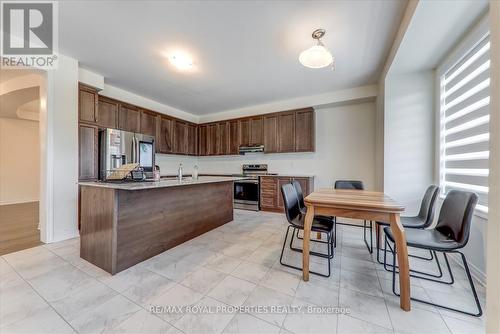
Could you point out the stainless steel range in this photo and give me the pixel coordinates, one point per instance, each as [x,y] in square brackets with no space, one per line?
[247,192]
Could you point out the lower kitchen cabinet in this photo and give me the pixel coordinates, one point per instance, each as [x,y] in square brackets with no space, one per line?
[270,190]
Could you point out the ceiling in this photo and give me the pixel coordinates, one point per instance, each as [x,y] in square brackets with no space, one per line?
[435,28]
[245,52]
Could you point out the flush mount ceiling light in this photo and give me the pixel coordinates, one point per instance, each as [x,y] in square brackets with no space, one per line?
[317,56]
[181,61]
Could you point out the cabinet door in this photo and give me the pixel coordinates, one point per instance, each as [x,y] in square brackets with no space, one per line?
[234,137]
[107,116]
[286,132]
[202,140]
[304,131]
[223,142]
[129,118]
[271,134]
[192,139]
[256,131]
[180,137]
[148,123]
[244,129]
[87,152]
[87,104]
[212,139]
[281,181]
[268,193]
[166,135]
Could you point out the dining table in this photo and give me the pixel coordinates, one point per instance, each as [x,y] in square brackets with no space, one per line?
[363,205]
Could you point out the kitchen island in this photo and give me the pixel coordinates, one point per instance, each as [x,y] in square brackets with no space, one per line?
[123,224]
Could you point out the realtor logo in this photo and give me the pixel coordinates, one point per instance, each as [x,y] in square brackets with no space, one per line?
[29,34]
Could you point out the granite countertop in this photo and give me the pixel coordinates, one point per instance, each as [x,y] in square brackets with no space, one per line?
[164,183]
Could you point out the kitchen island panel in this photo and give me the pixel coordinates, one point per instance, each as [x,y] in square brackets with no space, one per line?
[98,227]
[167,218]
[120,228]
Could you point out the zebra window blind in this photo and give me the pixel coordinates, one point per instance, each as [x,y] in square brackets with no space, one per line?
[464,121]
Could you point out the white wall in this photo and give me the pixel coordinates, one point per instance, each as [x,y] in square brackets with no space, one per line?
[409,137]
[345,144]
[59,133]
[19,161]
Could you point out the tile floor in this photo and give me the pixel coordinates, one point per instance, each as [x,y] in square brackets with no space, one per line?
[49,289]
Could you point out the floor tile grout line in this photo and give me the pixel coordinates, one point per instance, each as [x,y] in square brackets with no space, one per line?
[39,295]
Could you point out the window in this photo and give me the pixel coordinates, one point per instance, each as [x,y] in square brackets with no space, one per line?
[464,123]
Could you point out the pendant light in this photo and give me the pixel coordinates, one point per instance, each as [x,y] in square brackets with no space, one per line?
[317,56]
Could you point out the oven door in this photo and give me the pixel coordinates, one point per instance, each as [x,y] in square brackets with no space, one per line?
[246,194]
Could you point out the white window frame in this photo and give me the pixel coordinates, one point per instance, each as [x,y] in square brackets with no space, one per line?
[453,56]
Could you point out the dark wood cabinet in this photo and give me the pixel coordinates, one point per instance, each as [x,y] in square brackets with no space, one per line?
[212,139]
[108,113]
[270,190]
[166,135]
[270,133]
[244,129]
[268,195]
[304,130]
[87,104]
[223,138]
[202,139]
[233,137]
[129,118]
[148,123]
[256,130]
[192,139]
[180,137]
[286,132]
[87,152]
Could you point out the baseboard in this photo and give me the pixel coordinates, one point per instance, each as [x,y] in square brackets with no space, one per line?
[19,202]
[476,273]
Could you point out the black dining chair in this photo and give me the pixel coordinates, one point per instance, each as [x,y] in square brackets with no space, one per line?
[303,209]
[354,185]
[450,234]
[296,222]
[423,220]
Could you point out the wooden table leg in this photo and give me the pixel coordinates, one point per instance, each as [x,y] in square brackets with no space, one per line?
[404,267]
[307,234]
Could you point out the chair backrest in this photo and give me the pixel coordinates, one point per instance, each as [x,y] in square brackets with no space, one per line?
[456,215]
[300,194]
[291,202]
[349,184]
[426,212]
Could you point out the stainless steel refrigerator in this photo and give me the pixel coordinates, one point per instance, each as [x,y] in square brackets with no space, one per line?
[118,147]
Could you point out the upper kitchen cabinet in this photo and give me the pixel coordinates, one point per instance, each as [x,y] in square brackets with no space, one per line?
[129,118]
[148,123]
[270,133]
[223,138]
[304,130]
[87,103]
[202,139]
[256,131]
[166,135]
[233,137]
[107,116]
[286,132]
[180,137]
[244,130]
[213,136]
[192,132]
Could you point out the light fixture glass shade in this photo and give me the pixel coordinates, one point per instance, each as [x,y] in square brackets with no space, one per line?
[316,57]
